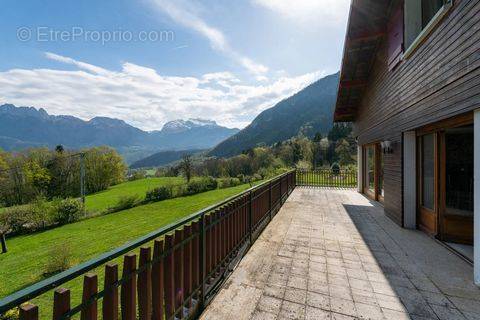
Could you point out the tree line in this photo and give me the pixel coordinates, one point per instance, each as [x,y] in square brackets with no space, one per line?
[320,151]
[40,172]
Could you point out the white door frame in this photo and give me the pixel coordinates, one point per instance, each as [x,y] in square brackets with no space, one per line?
[410,180]
[360,168]
[476,201]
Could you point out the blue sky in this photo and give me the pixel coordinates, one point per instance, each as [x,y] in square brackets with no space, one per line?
[220,60]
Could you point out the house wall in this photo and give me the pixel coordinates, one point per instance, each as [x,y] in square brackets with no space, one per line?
[439,80]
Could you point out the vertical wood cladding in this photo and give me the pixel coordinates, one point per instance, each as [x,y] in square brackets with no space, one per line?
[440,80]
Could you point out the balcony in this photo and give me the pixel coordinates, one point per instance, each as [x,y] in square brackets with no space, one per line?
[303,245]
[333,254]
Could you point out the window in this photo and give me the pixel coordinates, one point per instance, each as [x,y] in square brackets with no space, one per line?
[429,10]
[428,171]
[420,17]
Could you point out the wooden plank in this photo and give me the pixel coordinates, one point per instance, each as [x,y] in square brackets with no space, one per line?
[144,288]
[90,289]
[110,299]
[158,281]
[61,303]
[196,256]
[128,292]
[169,273]
[187,263]
[178,262]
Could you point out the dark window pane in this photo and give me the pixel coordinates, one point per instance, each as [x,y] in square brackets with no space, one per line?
[371,169]
[428,171]
[429,9]
[459,171]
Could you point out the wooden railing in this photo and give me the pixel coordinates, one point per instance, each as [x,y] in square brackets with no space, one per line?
[170,273]
[330,178]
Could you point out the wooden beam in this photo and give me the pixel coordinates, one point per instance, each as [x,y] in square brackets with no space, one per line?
[365,36]
[345,84]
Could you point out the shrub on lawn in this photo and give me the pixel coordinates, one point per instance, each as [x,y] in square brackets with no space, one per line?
[125,202]
[159,194]
[68,211]
[201,185]
[59,259]
[228,182]
[18,219]
[13,314]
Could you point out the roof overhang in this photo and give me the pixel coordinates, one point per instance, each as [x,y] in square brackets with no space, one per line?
[367,24]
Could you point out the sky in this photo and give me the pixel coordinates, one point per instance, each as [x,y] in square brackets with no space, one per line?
[152,61]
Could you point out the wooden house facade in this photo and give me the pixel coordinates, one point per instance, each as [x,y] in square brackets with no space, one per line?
[410,83]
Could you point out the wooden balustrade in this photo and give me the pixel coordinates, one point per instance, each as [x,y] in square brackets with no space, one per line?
[172,273]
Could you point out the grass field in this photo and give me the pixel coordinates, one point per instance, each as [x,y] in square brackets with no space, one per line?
[25,262]
[103,200]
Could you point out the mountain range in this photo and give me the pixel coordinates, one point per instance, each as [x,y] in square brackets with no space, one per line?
[24,127]
[307,112]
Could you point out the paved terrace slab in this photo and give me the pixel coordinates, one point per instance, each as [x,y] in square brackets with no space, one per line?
[333,254]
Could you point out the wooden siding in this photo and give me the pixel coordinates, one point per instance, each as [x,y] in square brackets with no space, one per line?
[440,80]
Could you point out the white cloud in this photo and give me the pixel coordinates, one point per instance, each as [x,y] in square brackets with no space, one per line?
[181,11]
[141,96]
[309,12]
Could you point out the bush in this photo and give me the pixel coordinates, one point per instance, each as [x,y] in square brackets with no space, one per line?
[14,218]
[241,177]
[137,175]
[335,168]
[26,218]
[228,182]
[201,185]
[125,202]
[13,314]
[159,194]
[68,211]
[59,259]
[256,177]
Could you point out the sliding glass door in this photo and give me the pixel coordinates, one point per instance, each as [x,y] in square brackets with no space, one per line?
[373,172]
[428,183]
[456,206]
[445,180]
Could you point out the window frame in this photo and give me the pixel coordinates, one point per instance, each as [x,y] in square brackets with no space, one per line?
[428,29]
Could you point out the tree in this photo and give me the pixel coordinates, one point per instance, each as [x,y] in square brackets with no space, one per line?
[59,149]
[343,152]
[187,166]
[104,167]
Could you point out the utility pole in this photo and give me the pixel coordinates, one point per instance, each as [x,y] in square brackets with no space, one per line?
[82,178]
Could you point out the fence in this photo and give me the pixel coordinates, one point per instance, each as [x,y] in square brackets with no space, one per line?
[176,275]
[331,178]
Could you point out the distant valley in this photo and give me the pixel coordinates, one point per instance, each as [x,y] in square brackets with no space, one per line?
[24,127]
[307,112]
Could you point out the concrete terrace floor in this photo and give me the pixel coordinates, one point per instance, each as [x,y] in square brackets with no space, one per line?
[333,254]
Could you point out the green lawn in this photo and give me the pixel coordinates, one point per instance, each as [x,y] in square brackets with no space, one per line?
[103,200]
[25,261]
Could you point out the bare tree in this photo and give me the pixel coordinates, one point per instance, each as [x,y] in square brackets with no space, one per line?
[187,166]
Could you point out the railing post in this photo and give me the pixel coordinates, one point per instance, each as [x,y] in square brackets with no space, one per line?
[250,222]
[61,303]
[270,200]
[202,262]
[281,194]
